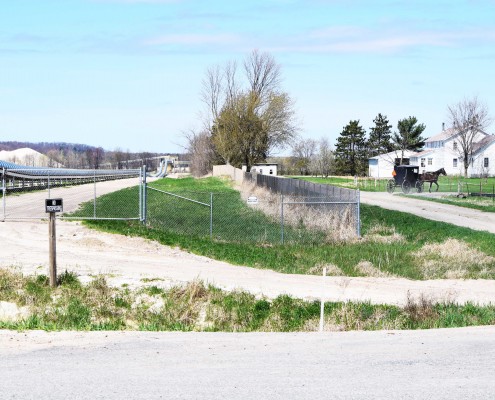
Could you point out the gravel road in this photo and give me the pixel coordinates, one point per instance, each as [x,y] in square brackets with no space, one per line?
[469,218]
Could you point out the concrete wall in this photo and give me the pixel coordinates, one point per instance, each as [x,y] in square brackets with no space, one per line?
[235,174]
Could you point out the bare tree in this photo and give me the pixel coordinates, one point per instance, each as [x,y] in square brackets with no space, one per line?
[263,73]
[247,124]
[118,158]
[467,118]
[324,159]
[201,153]
[303,151]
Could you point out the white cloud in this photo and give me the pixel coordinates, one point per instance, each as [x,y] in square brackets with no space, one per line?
[191,39]
[349,39]
[138,1]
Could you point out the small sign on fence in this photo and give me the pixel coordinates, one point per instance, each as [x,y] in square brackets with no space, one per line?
[53,205]
[252,200]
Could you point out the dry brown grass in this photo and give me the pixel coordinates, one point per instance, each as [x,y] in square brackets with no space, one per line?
[337,225]
[366,268]
[332,270]
[452,259]
[420,309]
[383,234]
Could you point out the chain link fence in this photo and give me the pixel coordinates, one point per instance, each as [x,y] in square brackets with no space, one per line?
[257,214]
[266,210]
[24,191]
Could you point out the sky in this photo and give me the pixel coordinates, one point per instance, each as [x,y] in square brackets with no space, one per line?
[128,73]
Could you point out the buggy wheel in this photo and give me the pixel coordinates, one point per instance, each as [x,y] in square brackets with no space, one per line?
[419,186]
[391,186]
[406,187]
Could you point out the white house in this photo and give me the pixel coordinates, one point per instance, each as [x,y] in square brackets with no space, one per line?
[263,168]
[382,165]
[442,151]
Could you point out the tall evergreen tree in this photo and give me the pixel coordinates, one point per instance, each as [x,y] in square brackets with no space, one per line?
[350,150]
[409,135]
[380,140]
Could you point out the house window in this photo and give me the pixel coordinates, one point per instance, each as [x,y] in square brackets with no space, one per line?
[454,162]
[485,162]
[423,162]
[430,161]
[455,145]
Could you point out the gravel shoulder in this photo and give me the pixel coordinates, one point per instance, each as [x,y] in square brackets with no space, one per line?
[133,260]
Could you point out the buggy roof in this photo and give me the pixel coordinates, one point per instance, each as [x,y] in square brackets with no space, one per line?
[406,166]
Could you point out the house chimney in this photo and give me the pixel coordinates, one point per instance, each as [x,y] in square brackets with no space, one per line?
[443,126]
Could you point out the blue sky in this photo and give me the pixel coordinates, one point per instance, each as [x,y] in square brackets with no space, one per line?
[127,73]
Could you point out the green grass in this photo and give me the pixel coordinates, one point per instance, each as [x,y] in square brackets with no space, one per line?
[446,183]
[485,204]
[200,307]
[398,258]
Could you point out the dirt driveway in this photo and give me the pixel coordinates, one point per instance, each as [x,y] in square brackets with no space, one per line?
[469,218]
[24,245]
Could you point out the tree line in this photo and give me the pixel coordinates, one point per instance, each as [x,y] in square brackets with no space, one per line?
[353,148]
[247,116]
[81,156]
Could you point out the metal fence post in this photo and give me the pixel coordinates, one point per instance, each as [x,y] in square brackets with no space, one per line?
[144,195]
[358,216]
[4,192]
[282,218]
[140,194]
[211,215]
[49,185]
[94,193]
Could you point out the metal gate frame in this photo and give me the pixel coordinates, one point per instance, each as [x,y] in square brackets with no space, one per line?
[140,174]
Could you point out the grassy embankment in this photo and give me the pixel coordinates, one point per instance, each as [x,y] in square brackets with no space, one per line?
[196,307]
[392,244]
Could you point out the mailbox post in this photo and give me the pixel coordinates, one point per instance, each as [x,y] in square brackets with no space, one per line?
[53,206]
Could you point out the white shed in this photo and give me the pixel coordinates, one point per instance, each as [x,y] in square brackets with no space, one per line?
[263,168]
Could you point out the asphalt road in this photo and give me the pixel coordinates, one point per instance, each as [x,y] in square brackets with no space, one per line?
[433,364]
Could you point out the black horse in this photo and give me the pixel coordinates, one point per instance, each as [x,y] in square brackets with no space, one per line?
[432,177]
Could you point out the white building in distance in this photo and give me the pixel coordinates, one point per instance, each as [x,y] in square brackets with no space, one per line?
[441,151]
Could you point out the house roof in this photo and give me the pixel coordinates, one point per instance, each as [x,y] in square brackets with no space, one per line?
[393,154]
[445,134]
[486,141]
[448,133]
[422,153]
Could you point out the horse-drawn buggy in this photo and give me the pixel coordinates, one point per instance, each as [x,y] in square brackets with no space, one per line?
[408,177]
[405,177]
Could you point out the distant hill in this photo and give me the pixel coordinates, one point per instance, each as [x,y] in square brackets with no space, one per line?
[28,157]
[76,155]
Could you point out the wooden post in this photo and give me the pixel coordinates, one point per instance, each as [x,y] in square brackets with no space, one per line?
[52,238]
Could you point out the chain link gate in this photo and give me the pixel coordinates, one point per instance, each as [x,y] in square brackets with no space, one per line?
[24,191]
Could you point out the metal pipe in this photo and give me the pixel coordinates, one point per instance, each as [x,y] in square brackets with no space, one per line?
[4,191]
[94,195]
[211,216]
[282,217]
[358,212]
[144,195]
